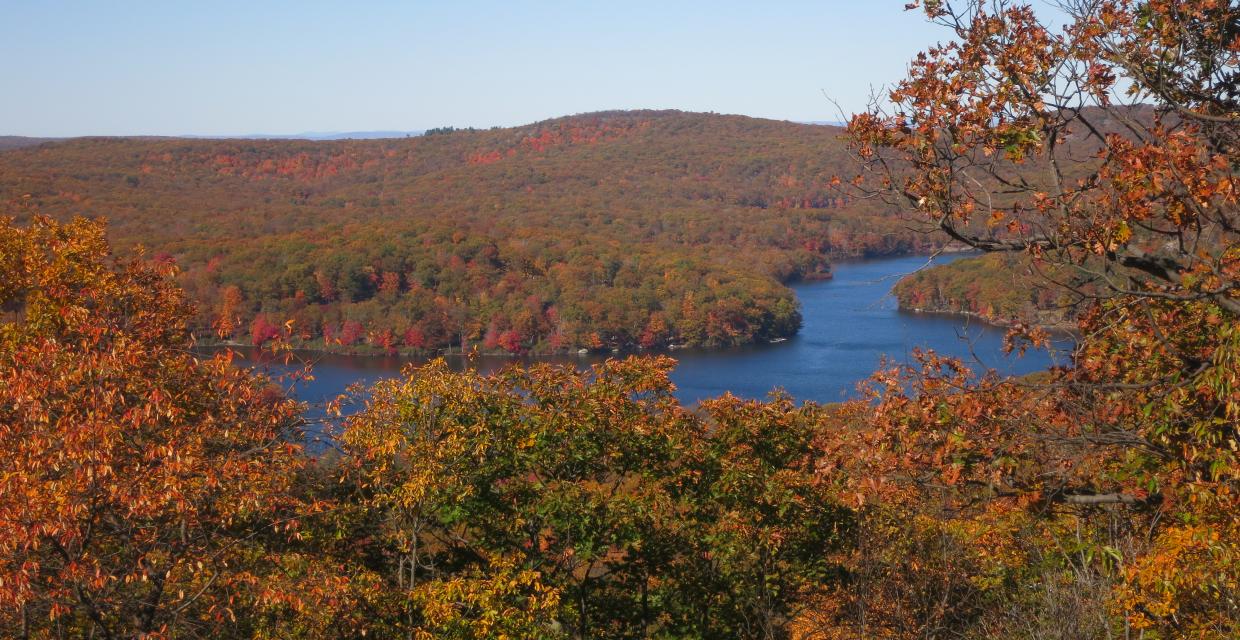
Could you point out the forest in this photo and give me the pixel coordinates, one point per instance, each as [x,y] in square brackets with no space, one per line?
[999,289]
[618,230]
[150,491]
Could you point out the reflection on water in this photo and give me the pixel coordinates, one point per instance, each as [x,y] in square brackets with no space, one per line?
[851,323]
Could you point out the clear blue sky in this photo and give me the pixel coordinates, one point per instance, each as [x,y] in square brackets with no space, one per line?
[222,67]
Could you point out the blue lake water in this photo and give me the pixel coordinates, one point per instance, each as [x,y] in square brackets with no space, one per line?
[850,323]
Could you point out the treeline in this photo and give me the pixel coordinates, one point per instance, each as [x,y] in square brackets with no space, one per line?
[609,230]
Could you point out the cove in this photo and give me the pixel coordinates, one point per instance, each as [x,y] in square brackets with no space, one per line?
[851,322]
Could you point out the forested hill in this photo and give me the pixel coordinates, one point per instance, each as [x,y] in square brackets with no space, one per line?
[606,230]
[1002,289]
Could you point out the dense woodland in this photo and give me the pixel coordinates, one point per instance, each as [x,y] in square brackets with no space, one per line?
[609,230]
[148,491]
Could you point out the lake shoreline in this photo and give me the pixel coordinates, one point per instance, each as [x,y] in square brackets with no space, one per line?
[851,326]
[366,351]
[1057,327]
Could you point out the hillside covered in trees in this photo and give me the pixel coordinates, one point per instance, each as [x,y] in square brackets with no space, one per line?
[1000,289]
[608,230]
[150,491]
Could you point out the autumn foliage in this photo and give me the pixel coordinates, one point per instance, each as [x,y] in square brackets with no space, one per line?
[146,491]
[606,508]
[137,477]
[1098,500]
[578,232]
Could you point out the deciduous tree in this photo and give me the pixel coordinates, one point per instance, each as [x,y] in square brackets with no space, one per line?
[138,480]
[1012,137]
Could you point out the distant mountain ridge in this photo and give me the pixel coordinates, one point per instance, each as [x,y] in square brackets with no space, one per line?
[15,142]
[18,142]
[318,135]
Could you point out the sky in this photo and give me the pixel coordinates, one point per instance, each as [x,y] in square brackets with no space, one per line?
[237,68]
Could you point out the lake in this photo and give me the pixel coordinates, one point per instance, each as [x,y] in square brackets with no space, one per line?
[850,323]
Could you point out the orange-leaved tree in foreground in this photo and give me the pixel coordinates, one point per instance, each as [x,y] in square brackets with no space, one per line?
[1101,499]
[138,480]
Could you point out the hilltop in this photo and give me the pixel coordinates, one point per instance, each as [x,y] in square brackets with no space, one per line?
[605,230]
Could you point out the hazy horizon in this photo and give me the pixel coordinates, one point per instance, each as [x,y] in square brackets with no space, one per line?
[143,68]
[375,133]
